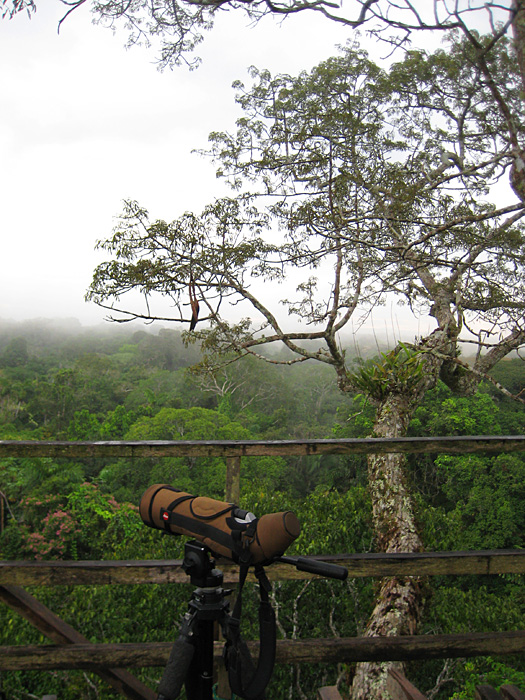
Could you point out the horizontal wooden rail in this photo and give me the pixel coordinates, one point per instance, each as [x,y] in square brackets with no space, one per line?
[250,448]
[71,573]
[334,650]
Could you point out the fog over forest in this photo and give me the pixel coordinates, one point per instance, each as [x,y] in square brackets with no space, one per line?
[48,332]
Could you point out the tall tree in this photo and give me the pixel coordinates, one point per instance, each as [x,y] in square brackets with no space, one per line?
[178,25]
[358,183]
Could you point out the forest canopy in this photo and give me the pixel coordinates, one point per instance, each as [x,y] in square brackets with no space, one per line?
[127,383]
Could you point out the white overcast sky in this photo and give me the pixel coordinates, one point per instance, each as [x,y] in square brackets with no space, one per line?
[85,123]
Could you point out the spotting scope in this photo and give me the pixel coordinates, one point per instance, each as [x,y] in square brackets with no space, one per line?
[229,531]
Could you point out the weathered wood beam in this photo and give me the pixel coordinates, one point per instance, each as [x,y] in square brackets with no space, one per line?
[249,448]
[70,573]
[510,692]
[334,650]
[233,479]
[400,688]
[443,646]
[329,692]
[59,631]
[486,692]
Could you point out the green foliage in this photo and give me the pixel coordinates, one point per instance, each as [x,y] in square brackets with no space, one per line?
[486,497]
[397,372]
[83,426]
[467,501]
[81,525]
[15,353]
[487,605]
[466,605]
[356,420]
[203,475]
[464,502]
[445,414]
[335,522]
[117,423]
[490,672]
[39,476]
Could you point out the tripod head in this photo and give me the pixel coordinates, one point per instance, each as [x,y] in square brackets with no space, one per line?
[199,567]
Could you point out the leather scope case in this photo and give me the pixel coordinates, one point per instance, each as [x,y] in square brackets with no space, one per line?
[216,525]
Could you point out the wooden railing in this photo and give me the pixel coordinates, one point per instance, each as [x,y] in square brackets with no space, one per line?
[72,650]
[232,451]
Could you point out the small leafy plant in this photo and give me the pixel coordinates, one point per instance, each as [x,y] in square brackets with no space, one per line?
[398,371]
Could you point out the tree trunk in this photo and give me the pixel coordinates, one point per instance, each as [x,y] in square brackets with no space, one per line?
[518,27]
[399,601]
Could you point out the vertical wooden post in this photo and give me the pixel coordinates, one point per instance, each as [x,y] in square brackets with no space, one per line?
[233,479]
[223,684]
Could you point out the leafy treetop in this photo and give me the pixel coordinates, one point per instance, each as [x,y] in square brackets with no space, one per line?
[178,25]
[357,183]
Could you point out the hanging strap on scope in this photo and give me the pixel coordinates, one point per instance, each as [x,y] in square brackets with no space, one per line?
[246,680]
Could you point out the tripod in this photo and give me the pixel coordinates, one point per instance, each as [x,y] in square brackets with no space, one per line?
[191,658]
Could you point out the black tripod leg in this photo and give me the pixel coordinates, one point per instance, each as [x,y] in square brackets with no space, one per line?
[177,669]
[199,680]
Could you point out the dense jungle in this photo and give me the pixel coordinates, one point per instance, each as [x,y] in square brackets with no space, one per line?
[124,382]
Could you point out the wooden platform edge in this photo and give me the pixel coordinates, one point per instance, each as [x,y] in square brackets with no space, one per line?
[400,688]
[331,650]
[329,692]
[60,573]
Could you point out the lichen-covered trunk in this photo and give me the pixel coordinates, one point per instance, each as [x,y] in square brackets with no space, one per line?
[518,26]
[399,601]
